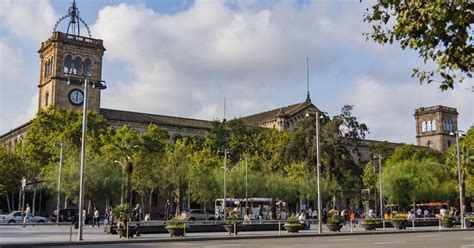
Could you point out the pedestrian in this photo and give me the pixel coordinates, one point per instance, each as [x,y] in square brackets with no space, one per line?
[96,217]
[352,216]
[26,214]
[84,215]
[426,213]
[343,215]
[137,212]
[419,212]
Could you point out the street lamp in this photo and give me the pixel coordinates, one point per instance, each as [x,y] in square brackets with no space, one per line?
[60,145]
[318,168]
[460,179]
[101,86]
[380,157]
[121,181]
[225,151]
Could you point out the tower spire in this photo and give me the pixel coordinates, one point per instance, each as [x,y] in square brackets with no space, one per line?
[74,25]
[308,98]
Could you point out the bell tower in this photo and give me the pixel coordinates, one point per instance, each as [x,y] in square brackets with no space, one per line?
[434,126]
[67,61]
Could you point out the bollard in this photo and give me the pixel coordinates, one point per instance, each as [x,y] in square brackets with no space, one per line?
[279,228]
[70,233]
[413,225]
[439,220]
[235,228]
[184,232]
[351,225]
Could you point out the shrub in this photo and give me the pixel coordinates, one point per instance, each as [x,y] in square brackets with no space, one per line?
[122,214]
[334,219]
[448,219]
[292,221]
[370,220]
[231,219]
[177,222]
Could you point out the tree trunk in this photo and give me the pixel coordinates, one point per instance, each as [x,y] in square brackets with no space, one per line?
[34,199]
[149,202]
[8,201]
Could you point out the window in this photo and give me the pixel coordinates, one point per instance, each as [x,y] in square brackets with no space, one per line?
[428,126]
[46,99]
[50,67]
[87,67]
[77,66]
[449,143]
[423,127]
[428,144]
[68,64]
[433,125]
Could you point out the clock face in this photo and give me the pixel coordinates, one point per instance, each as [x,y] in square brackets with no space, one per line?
[76,97]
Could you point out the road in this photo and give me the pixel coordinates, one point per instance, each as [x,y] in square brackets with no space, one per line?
[412,240]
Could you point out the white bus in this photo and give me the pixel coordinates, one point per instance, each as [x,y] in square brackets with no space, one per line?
[238,205]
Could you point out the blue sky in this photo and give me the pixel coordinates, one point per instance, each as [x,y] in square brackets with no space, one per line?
[182,58]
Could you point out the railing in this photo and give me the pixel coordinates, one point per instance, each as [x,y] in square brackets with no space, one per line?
[275,227]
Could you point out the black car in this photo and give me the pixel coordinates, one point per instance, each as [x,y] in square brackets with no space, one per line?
[69,215]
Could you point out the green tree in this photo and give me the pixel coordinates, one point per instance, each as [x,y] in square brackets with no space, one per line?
[122,145]
[440,31]
[12,168]
[413,181]
[177,161]
[466,158]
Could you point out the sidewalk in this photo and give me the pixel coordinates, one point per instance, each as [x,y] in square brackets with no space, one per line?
[12,236]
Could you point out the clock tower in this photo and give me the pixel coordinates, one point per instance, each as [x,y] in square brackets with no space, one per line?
[67,61]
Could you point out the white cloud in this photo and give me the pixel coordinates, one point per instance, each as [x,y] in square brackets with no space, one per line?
[16,118]
[11,62]
[30,20]
[188,62]
[388,108]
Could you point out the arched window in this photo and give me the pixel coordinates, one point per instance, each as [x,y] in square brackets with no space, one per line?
[449,143]
[46,99]
[423,127]
[87,67]
[449,126]
[428,144]
[68,64]
[45,68]
[77,66]
[50,67]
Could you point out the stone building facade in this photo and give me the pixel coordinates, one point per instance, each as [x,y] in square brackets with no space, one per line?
[67,60]
[435,127]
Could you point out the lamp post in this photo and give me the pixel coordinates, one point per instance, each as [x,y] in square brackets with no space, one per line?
[460,179]
[380,157]
[225,151]
[318,169]
[246,183]
[60,145]
[99,85]
[121,181]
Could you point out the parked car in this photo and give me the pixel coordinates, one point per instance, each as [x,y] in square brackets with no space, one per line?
[17,217]
[198,214]
[69,215]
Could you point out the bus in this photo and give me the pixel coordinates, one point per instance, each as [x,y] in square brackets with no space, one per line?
[239,205]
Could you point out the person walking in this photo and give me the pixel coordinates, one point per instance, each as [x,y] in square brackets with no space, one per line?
[26,214]
[96,217]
